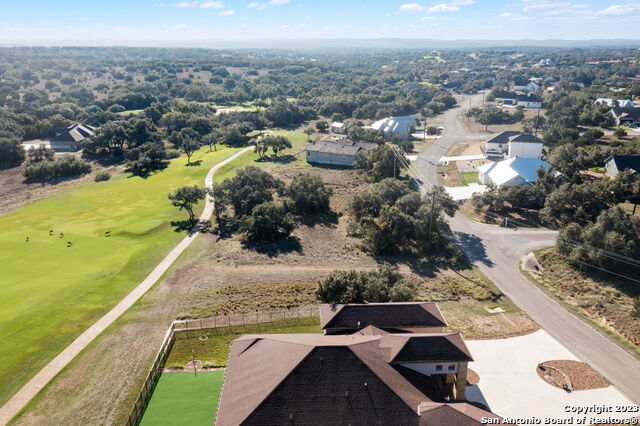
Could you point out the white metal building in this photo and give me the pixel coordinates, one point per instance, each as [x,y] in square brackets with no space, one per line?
[514,171]
[395,127]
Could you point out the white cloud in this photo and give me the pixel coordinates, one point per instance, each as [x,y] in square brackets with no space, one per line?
[412,7]
[462,2]
[616,10]
[507,15]
[279,2]
[428,18]
[255,5]
[212,5]
[186,4]
[443,8]
[179,27]
[227,13]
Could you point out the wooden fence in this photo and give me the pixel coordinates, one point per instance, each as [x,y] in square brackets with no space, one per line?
[236,320]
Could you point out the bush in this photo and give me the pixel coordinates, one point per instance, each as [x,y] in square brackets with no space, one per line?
[11,153]
[620,132]
[173,153]
[268,222]
[65,166]
[102,176]
[308,194]
[384,285]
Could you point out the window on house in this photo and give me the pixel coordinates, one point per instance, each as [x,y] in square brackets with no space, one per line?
[452,367]
[438,367]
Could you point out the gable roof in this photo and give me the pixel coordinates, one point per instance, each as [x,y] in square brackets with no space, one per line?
[313,376]
[506,170]
[340,147]
[426,347]
[525,138]
[75,133]
[623,162]
[529,98]
[381,315]
[632,112]
[502,137]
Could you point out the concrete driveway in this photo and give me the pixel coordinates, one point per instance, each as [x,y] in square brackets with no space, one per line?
[510,386]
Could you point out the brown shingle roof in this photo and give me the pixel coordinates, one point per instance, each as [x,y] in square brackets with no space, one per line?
[314,379]
[75,133]
[426,347]
[381,315]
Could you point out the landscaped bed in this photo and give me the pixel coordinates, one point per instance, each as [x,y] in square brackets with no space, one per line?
[571,375]
[185,399]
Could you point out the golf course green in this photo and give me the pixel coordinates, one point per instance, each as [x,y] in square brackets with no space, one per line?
[50,291]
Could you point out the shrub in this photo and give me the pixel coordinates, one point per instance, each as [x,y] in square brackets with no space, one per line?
[620,132]
[173,153]
[383,285]
[11,153]
[308,194]
[268,222]
[102,176]
[65,166]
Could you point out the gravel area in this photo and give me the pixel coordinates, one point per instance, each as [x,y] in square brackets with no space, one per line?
[576,375]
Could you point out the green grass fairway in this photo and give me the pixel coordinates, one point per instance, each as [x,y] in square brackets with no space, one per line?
[51,293]
[469,177]
[184,399]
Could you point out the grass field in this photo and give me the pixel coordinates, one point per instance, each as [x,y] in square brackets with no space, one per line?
[213,352]
[51,292]
[470,177]
[184,399]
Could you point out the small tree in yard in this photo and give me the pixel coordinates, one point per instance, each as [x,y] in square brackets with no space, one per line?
[268,222]
[309,131]
[277,143]
[186,197]
[620,132]
[211,140]
[308,194]
[322,126]
[188,141]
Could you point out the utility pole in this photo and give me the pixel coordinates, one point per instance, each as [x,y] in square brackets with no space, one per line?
[635,204]
[433,207]
[193,361]
[538,121]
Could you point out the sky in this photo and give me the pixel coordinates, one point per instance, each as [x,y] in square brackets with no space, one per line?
[127,21]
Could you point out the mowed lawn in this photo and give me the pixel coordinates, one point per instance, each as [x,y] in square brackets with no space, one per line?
[184,399]
[50,293]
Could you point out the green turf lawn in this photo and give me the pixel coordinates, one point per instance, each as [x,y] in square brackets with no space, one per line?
[51,293]
[184,399]
[470,177]
[214,350]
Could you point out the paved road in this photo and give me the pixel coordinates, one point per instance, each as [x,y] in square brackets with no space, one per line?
[497,252]
[44,376]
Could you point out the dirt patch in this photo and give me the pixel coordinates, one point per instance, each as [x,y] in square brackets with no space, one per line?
[472,378]
[571,375]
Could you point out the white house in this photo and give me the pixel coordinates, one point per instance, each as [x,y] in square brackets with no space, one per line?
[395,127]
[529,101]
[532,85]
[622,103]
[341,152]
[337,128]
[514,144]
[514,171]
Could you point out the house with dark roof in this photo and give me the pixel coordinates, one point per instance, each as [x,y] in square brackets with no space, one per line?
[529,100]
[626,116]
[618,163]
[70,139]
[514,145]
[370,376]
[422,317]
[337,152]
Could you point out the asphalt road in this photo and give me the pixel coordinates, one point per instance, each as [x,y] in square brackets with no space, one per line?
[497,252]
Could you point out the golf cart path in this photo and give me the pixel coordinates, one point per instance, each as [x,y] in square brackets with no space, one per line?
[48,372]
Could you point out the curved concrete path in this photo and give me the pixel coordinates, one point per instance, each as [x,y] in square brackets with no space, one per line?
[44,376]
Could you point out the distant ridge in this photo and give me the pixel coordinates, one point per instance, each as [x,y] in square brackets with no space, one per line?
[326,43]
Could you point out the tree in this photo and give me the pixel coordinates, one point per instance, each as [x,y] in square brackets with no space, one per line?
[620,132]
[188,140]
[277,143]
[614,231]
[385,284]
[11,153]
[211,139]
[268,222]
[186,197]
[322,126]
[308,194]
[41,153]
[250,187]
[309,131]
[379,163]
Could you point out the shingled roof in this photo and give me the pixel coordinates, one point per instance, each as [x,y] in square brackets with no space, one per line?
[511,136]
[314,379]
[75,133]
[429,346]
[340,147]
[381,315]
[624,162]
